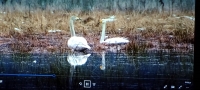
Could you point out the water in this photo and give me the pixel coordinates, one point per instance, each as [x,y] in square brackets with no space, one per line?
[105,70]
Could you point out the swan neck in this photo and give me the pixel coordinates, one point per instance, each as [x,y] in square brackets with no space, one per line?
[103,32]
[72,31]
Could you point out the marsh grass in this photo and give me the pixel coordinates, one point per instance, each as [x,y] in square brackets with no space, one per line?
[33,28]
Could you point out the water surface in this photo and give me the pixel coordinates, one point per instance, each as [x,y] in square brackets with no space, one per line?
[104,70]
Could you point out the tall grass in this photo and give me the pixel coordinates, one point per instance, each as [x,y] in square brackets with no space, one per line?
[33,26]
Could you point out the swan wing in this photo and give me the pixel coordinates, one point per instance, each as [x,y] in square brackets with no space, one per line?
[116,40]
[78,43]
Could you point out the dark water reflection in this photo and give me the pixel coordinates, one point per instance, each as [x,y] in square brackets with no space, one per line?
[105,70]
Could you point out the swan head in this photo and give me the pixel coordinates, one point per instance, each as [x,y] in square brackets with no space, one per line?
[110,19]
[74,18]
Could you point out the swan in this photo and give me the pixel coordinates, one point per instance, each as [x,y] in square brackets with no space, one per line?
[111,41]
[76,43]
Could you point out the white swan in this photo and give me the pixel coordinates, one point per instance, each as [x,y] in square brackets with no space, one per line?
[116,40]
[76,43]
[111,41]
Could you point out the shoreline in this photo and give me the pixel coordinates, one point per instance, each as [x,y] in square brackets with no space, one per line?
[55,43]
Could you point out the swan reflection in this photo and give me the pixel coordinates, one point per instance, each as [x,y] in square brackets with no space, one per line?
[74,59]
[102,67]
[77,58]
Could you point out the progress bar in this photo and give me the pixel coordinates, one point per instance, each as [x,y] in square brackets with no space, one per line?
[30,75]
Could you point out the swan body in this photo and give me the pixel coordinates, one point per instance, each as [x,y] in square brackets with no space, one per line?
[76,42]
[116,40]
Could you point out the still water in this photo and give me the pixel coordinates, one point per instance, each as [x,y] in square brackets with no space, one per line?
[156,70]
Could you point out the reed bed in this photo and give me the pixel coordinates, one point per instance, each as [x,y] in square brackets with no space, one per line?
[28,31]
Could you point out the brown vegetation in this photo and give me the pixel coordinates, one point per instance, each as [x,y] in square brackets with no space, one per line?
[24,32]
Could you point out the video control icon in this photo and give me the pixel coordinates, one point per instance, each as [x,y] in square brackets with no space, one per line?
[87,84]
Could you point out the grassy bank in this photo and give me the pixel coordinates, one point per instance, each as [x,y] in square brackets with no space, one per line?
[28,31]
